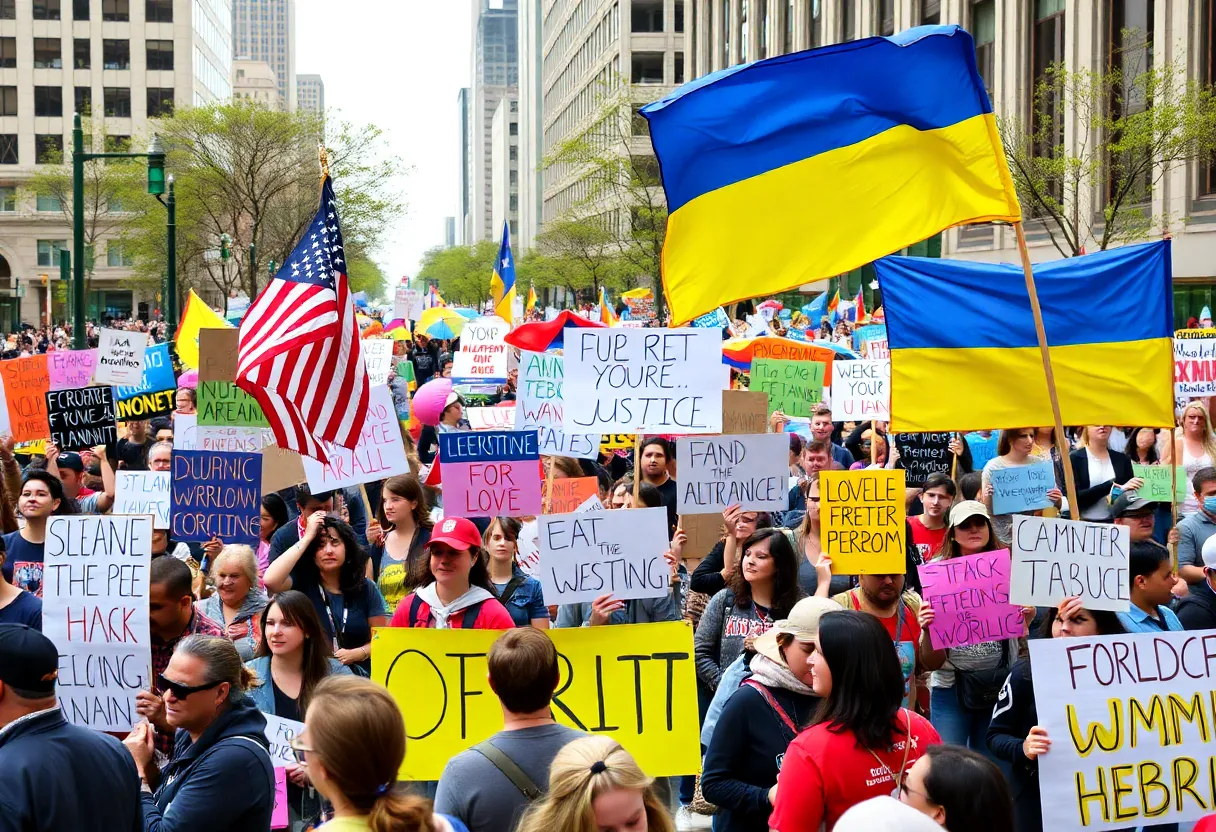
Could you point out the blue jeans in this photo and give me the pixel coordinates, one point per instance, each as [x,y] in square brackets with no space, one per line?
[957,726]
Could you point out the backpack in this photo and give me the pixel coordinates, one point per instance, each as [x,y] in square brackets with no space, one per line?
[466,622]
[510,770]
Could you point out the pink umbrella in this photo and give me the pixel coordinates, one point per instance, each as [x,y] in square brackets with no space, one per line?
[188,379]
[431,398]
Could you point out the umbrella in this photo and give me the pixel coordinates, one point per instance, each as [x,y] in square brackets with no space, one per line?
[400,334]
[466,312]
[440,322]
[430,399]
[539,336]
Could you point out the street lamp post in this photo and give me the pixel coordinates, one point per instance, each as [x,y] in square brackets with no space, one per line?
[170,204]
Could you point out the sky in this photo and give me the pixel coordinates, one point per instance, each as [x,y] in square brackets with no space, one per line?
[398,64]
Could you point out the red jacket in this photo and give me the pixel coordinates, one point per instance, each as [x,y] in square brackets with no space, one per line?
[491,615]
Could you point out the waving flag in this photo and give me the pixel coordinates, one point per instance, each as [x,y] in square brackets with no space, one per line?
[502,282]
[607,315]
[833,309]
[299,352]
[530,304]
[860,306]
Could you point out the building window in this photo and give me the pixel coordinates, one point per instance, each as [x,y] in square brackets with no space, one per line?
[513,128]
[46,9]
[514,154]
[1130,53]
[84,100]
[647,68]
[117,144]
[848,20]
[983,29]
[80,9]
[8,9]
[47,53]
[8,101]
[930,12]
[49,202]
[48,251]
[48,101]
[81,53]
[117,102]
[647,16]
[886,17]
[679,15]
[116,54]
[160,54]
[48,150]
[158,11]
[117,256]
[513,178]
[8,148]
[8,199]
[160,102]
[115,10]
[8,53]
[679,68]
[1207,178]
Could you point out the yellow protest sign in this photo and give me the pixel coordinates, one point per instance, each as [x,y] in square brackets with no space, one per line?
[615,441]
[634,682]
[862,515]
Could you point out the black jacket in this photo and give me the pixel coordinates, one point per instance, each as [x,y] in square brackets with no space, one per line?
[1197,611]
[56,776]
[224,781]
[1088,495]
[1012,718]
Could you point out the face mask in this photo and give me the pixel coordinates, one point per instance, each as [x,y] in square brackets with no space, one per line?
[1209,505]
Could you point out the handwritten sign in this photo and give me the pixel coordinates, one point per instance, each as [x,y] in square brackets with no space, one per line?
[1054,559]
[584,556]
[862,516]
[490,418]
[568,494]
[1158,482]
[95,610]
[279,733]
[793,387]
[656,380]
[224,438]
[556,442]
[482,357]
[970,600]
[720,471]
[1022,487]
[81,418]
[377,357]
[861,391]
[26,382]
[407,303]
[744,411]
[490,473]
[280,816]
[922,454]
[377,455]
[143,492]
[216,494]
[154,395]
[223,403]
[120,357]
[217,353]
[70,369]
[1195,363]
[538,400]
[711,320]
[1130,723]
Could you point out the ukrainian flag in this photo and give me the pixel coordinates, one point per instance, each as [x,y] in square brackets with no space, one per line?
[502,282]
[965,354]
[607,314]
[806,166]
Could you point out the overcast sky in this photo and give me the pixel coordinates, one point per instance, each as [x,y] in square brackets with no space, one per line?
[398,64]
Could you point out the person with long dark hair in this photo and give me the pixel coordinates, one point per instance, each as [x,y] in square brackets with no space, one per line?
[1097,469]
[520,593]
[861,742]
[274,517]
[961,790]
[398,538]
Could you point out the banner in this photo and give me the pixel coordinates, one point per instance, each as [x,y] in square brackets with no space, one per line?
[216,495]
[793,387]
[81,418]
[717,472]
[378,358]
[568,494]
[379,453]
[1195,363]
[1056,559]
[861,391]
[26,382]
[490,473]
[70,369]
[154,395]
[922,454]
[223,404]
[862,516]
[970,600]
[120,357]
[1022,487]
[482,357]
[95,610]
[584,556]
[143,492]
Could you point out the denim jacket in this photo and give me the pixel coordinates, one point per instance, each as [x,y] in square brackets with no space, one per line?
[262,692]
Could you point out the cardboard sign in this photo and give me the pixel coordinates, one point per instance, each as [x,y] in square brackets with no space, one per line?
[81,418]
[584,556]
[1195,363]
[154,395]
[862,517]
[281,468]
[1022,487]
[378,358]
[490,473]
[703,532]
[26,382]
[717,472]
[922,454]
[1131,728]
[861,391]
[655,380]
[568,494]
[217,353]
[222,403]
[216,495]
[120,357]
[70,369]
[279,733]
[1158,482]
[744,411]
[630,681]
[1055,559]
[143,492]
[482,357]
[793,387]
[970,600]
[379,453]
[490,418]
[95,610]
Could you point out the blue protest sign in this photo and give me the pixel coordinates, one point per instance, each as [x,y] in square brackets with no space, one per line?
[216,494]
[1022,488]
[711,320]
[868,333]
[488,445]
[158,374]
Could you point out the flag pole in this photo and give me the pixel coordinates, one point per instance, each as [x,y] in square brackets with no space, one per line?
[1173,547]
[1070,484]
[637,467]
[324,157]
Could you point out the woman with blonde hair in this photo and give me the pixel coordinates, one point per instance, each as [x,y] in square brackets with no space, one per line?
[238,601]
[1194,447]
[595,785]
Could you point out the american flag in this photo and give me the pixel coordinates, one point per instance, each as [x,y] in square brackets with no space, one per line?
[299,353]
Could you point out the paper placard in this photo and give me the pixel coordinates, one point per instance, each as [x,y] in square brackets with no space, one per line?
[70,369]
[744,411]
[490,473]
[569,494]
[81,418]
[721,471]
[144,492]
[154,395]
[482,357]
[378,358]
[970,600]
[793,387]
[922,454]
[584,556]
[1054,559]
[379,453]
[1158,482]
[281,468]
[538,398]
[279,733]
[95,610]
[556,442]
[279,816]
[1022,487]
[185,431]
[26,382]
[407,303]
[862,517]
[861,391]
[1194,364]
[216,495]
[223,404]
[217,352]
[237,439]
[490,418]
[120,357]
[654,380]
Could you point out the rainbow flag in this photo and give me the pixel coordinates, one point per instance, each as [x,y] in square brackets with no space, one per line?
[607,315]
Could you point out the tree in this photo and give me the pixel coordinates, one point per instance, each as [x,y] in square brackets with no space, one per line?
[1128,129]
[367,276]
[462,272]
[585,255]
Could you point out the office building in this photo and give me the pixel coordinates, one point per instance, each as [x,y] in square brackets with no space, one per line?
[532,124]
[310,94]
[255,81]
[265,30]
[449,232]
[495,77]
[464,215]
[504,167]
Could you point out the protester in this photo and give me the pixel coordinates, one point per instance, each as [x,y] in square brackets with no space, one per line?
[816,457]
[655,454]
[185,401]
[399,536]
[595,785]
[1151,580]
[808,543]
[17,606]
[1098,471]
[424,355]
[821,431]
[1197,611]
[867,450]
[131,451]
[1194,447]
[1142,446]
[521,594]
[220,774]
[961,790]
[55,776]
[160,456]
[238,602]
[1015,449]
[1045,446]
[163,545]
[489,786]
[861,741]
[308,504]
[717,567]
[274,517]
[41,496]
[929,527]
[1195,529]
[69,467]
[455,591]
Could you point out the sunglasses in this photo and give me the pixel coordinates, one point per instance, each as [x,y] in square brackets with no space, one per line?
[179,690]
[972,523]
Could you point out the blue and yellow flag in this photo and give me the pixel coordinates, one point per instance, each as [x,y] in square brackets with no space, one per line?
[965,353]
[810,165]
[607,313]
[502,283]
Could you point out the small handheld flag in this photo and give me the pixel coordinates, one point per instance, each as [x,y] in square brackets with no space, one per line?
[502,282]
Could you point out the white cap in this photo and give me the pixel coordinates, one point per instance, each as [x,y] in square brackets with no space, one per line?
[1209,552]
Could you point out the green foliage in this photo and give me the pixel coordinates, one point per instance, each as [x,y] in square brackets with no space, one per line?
[367,276]
[462,272]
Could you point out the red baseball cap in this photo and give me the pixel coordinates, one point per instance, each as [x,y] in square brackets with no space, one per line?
[456,532]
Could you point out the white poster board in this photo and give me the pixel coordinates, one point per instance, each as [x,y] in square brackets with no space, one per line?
[861,390]
[120,357]
[185,431]
[652,380]
[1194,367]
[95,610]
[721,471]
[1055,559]
[540,404]
[407,303]
[490,418]
[378,455]
[279,733]
[482,357]
[144,492]
[232,438]
[378,358]
[584,556]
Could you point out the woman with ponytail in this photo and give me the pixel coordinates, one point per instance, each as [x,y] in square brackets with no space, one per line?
[353,743]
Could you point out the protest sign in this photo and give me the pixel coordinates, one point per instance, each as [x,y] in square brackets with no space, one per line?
[280,816]
[970,600]
[216,494]
[279,733]
[862,517]
[120,357]
[154,395]
[407,303]
[143,492]
[567,494]
[229,438]
[656,380]
[556,442]
[721,471]
[538,398]
[482,357]
[1158,482]
[26,382]
[95,610]
[711,320]
[490,418]
[922,454]
[377,357]
[630,681]
[703,532]
[1130,721]
[222,403]
[861,391]
[1022,487]
[1055,559]
[744,411]
[379,453]
[217,353]
[281,468]
[793,387]
[584,556]
[81,418]
[877,349]
[185,432]
[1195,363]
[490,473]
[70,369]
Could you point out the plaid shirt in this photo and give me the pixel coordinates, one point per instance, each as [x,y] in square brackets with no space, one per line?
[162,651]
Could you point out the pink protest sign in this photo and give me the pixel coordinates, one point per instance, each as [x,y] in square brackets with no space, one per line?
[970,600]
[278,818]
[71,369]
[490,473]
